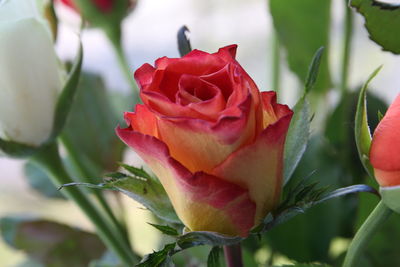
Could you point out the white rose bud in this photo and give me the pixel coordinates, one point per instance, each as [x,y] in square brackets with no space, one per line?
[30,79]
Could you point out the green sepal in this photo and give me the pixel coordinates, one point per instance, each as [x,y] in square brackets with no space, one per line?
[16,150]
[299,129]
[147,191]
[391,197]
[165,229]
[361,128]
[110,21]
[184,45]
[66,98]
[160,258]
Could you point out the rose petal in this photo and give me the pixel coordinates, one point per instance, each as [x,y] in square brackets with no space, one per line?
[200,145]
[387,178]
[201,96]
[384,151]
[202,201]
[142,120]
[258,166]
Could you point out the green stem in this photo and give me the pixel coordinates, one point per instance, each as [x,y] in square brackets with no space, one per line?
[115,38]
[348,30]
[233,255]
[49,159]
[86,176]
[365,233]
[276,63]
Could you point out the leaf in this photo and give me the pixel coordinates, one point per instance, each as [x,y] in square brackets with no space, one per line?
[66,99]
[298,217]
[150,193]
[361,128]
[313,70]
[303,27]
[199,238]
[136,171]
[358,188]
[165,229]
[158,259]
[382,21]
[40,182]
[297,138]
[184,46]
[50,243]
[90,129]
[213,257]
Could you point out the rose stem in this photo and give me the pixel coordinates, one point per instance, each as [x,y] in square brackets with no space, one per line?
[233,255]
[348,29]
[87,173]
[365,233]
[49,160]
[114,36]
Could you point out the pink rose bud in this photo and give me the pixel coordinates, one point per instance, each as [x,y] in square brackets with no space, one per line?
[385,147]
[212,138]
[385,157]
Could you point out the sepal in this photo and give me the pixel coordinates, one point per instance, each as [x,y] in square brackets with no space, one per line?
[391,197]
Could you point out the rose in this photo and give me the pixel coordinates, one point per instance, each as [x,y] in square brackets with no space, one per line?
[385,157]
[30,79]
[214,141]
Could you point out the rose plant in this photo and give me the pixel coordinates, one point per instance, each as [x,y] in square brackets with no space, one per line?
[212,138]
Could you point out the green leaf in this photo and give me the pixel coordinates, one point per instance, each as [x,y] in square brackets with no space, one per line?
[382,21]
[213,257]
[66,99]
[199,238]
[361,128]
[303,27]
[136,171]
[158,259]
[165,229]
[150,193]
[184,46]
[50,243]
[39,181]
[90,129]
[297,138]
[298,228]
[313,70]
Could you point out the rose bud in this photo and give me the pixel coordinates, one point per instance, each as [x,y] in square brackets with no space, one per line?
[30,79]
[212,138]
[385,157]
[102,13]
